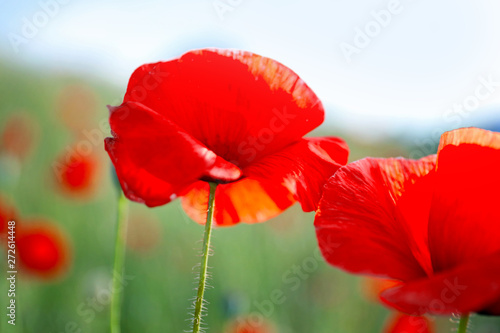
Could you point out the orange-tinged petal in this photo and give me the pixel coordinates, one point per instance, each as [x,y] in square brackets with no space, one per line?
[297,173]
[248,200]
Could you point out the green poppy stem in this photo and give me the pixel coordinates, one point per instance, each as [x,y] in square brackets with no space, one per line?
[204,260]
[464,322]
[117,288]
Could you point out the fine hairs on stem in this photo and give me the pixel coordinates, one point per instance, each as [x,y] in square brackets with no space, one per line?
[199,302]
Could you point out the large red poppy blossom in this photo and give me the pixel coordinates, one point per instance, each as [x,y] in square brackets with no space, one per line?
[42,249]
[230,117]
[432,223]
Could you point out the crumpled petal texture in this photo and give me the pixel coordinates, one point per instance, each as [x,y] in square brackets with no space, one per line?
[433,224]
[230,117]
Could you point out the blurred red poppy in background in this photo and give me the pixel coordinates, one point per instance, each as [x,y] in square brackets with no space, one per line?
[248,325]
[432,223]
[76,107]
[76,172]
[42,249]
[230,117]
[19,135]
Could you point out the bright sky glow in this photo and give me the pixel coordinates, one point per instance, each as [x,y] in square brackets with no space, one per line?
[419,62]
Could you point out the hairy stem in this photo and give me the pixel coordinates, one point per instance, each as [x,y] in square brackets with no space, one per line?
[204,260]
[464,322]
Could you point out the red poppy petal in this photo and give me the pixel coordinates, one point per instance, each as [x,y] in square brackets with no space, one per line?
[222,171]
[471,287]
[303,168]
[359,226]
[464,221]
[245,106]
[401,323]
[137,183]
[165,150]
[146,144]
[248,200]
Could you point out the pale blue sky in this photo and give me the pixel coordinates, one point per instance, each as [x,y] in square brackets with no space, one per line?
[428,56]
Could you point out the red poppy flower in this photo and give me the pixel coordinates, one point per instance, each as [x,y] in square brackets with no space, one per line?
[432,223]
[42,249]
[76,172]
[401,323]
[230,117]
